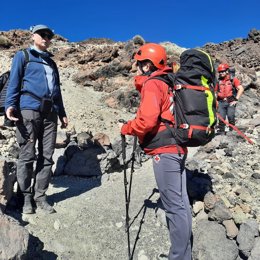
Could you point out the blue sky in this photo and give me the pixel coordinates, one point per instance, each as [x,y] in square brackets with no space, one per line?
[186,23]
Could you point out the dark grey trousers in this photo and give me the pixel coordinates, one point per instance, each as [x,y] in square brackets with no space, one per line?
[32,129]
[170,175]
[225,110]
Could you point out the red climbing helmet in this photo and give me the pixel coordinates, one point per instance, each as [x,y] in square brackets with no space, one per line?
[223,67]
[153,52]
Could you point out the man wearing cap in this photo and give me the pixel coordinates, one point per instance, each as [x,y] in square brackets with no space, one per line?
[34,102]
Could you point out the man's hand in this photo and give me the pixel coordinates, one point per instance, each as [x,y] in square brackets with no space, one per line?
[120,123]
[232,100]
[10,114]
[233,103]
[64,122]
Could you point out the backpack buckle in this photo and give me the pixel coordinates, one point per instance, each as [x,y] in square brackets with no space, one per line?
[178,86]
[208,130]
[185,126]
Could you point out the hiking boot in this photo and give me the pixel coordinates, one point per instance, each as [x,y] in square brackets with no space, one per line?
[27,206]
[45,206]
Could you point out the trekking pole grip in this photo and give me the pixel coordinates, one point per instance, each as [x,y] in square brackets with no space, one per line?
[123,141]
[123,148]
[122,121]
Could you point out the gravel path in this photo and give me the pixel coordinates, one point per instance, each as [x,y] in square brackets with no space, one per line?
[90,219]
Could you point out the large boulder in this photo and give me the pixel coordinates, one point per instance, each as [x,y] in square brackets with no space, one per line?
[6,184]
[13,239]
[211,243]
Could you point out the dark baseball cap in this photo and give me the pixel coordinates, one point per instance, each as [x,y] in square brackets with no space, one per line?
[40,27]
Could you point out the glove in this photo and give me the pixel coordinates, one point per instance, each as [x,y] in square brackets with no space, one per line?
[231,99]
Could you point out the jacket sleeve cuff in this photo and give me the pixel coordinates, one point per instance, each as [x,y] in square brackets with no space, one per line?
[127,129]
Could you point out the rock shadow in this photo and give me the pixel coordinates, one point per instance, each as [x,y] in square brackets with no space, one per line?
[81,173]
[36,252]
[72,186]
[198,184]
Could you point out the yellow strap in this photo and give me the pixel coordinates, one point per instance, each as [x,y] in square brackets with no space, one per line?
[210,60]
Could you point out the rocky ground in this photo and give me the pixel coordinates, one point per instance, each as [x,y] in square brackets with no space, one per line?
[90,219]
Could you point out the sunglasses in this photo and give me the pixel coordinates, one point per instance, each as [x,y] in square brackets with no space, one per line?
[222,71]
[139,63]
[45,35]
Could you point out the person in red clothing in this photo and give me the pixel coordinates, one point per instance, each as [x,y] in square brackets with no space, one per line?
[228,93]
[156,140]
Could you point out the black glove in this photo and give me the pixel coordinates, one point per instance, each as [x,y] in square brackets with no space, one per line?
[231,99]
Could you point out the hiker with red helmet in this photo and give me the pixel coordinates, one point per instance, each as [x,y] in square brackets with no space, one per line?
[157,141]
[229,90]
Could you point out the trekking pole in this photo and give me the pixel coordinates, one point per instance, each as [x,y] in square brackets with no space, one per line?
[126,192]
[132,169]
[235,128]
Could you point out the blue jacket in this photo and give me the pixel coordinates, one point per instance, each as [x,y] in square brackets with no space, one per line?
[31,78]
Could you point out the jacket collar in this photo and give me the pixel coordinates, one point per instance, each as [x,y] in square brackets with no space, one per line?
[38,53]
[141,79]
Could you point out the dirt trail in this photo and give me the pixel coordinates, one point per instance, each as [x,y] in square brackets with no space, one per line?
[90,219]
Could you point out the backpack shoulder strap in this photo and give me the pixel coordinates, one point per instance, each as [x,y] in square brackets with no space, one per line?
[54,65]
[26,56]
[232,82]
[168,78]
[26,59]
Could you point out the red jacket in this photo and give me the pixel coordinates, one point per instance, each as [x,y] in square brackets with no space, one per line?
[225,87]
[155,103]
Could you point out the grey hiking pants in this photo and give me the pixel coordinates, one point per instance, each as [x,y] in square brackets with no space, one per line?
[170,175]
[225,110]
[33,127]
